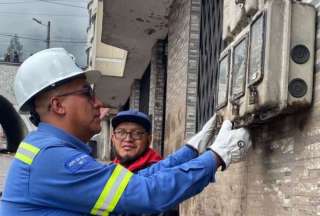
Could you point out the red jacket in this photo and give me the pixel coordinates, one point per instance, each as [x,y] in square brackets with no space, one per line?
[148,158]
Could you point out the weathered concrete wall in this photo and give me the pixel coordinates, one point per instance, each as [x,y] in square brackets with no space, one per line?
[3,140]
[103,139]
[5,161]
[280,176]
[178,44]
[157,93]
[7,74]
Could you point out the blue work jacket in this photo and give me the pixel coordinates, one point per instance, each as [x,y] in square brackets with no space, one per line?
[54,174]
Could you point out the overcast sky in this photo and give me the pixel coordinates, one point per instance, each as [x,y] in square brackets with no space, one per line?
[69,21]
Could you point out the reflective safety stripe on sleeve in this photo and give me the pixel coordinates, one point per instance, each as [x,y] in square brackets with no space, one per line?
[26,152]
[112,191]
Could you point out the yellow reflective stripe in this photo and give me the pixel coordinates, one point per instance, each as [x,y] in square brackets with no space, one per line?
[26,152]
[112,191]
[106,190]
[120,190]
[23,158]
[29,147]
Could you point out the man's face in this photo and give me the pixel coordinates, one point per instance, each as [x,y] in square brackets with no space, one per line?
[130,141]
[82,109]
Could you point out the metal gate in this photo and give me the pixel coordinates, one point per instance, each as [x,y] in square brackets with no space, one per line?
[210,47]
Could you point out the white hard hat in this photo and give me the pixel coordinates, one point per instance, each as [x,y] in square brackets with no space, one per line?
[42,70]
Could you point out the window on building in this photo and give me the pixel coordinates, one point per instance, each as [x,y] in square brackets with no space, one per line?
[210,47]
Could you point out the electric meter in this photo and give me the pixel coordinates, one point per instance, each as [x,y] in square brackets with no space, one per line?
[270,63]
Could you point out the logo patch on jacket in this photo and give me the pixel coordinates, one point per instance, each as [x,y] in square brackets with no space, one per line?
[77,162]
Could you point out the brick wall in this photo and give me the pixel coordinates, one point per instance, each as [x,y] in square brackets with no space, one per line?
[191,206]
[193,67]
[178,44]
[157,93]
[135,95]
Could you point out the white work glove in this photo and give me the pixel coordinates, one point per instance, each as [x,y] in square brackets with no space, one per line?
[231,145]
[200,140]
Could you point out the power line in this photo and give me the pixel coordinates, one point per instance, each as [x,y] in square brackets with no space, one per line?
[42,40]
[42,14]
[17,2]
[70,39]
[62,4]
[10,33]
[46,1]
[30,35]
[69,0]
[80,1]
[65,41]
[28,38]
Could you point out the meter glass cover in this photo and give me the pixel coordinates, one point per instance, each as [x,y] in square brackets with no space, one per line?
[256,50]
[240,56]
[223,82]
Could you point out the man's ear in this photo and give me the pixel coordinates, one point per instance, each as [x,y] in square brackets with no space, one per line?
[57,106]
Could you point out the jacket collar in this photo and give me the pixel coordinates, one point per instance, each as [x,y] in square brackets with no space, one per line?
[147,159]
[68,139]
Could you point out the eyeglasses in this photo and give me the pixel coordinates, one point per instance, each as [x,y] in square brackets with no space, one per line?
[86,90]
[122,134]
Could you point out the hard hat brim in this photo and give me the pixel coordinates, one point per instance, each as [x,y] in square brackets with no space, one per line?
[92,76]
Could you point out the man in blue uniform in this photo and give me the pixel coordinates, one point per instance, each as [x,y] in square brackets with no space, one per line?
[53,172]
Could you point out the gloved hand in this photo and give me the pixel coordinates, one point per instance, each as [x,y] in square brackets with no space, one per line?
[200,140]
[231,145]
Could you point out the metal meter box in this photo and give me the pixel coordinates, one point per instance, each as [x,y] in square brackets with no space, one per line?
[270,63]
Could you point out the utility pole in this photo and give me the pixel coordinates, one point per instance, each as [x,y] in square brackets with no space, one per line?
[48,34]
[48,30]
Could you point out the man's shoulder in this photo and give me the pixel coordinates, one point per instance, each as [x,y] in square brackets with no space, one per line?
[42,140]
[49,147]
